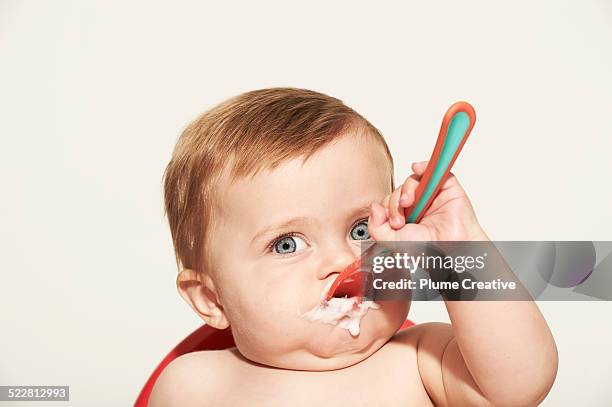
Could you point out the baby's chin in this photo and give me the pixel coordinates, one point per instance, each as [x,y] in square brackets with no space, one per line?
[331,347]
[324,346]
[327,347]
[344,355]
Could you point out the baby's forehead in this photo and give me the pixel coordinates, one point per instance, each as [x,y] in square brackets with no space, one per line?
[353,148]
[343,170]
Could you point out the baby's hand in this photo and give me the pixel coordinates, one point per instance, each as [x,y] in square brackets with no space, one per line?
[450,216]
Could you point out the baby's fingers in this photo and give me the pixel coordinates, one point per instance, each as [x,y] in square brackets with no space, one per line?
[412,182]
[396,214]
[401,199]
[385,204]
[408,190]
[378,227]
[419,167]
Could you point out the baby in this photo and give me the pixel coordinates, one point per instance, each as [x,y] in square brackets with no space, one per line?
[269,196]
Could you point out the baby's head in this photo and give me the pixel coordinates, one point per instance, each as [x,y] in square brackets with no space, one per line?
[267,196]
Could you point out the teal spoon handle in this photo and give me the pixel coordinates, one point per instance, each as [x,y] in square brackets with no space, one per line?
[456,127]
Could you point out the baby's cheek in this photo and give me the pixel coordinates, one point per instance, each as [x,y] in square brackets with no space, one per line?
[270,313]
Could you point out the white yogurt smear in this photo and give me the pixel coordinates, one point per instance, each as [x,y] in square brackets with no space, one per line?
[344,312]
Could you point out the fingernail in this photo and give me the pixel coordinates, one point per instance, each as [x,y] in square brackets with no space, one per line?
[397,220]
[404,199]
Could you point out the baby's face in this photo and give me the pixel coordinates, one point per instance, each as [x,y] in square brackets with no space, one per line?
[281,237]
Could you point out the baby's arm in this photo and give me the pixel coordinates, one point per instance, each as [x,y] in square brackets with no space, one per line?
[498,353]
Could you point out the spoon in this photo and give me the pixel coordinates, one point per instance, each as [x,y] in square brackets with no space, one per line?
[456,127]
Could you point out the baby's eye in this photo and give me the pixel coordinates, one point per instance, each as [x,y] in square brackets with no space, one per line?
[289,244]
[360,231]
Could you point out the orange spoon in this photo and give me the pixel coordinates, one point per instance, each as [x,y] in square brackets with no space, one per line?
[456,127]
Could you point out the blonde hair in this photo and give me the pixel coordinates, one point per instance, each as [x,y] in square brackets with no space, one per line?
[255,130]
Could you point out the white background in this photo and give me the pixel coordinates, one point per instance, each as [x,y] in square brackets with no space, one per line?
[94,94]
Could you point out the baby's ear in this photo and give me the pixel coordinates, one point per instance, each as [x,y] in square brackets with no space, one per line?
[199,291]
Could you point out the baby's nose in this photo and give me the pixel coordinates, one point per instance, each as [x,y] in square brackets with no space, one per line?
[335,261]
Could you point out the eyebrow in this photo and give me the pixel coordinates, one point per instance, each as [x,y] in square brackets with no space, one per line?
[299,221]
[274,229]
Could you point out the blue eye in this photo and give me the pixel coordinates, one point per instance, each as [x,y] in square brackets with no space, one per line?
[288,244]
[360,231]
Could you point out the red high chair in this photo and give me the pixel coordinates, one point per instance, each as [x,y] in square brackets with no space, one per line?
[203,338]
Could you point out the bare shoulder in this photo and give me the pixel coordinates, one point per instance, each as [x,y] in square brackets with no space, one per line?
[415,335]
[189,379]
[426,343]
[429,342]
[411,363]
[440,364]
[408,346]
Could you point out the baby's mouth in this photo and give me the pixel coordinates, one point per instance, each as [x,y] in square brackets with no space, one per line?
[352,286]
[348,288]
[341,310]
